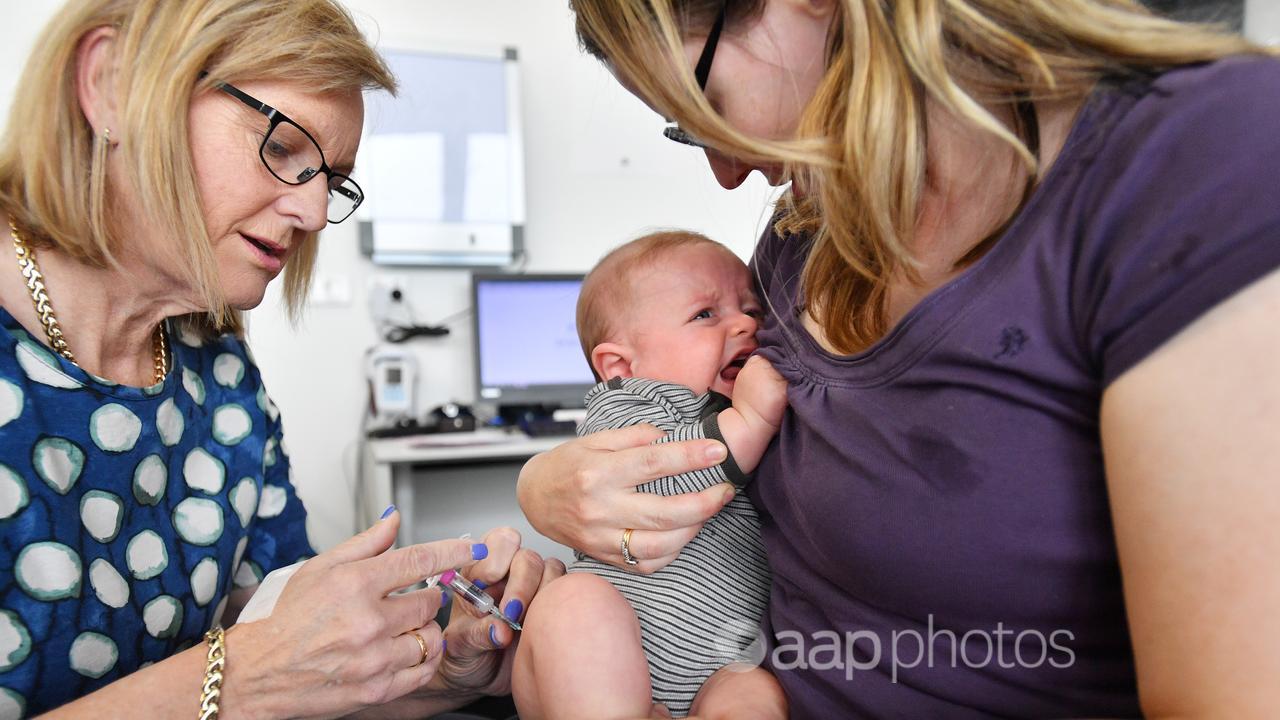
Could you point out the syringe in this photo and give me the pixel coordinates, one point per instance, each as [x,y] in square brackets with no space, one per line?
[481,600]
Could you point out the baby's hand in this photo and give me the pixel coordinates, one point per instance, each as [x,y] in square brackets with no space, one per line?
[760,392]
[759,399]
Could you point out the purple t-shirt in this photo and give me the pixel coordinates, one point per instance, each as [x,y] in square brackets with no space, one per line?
[935,508]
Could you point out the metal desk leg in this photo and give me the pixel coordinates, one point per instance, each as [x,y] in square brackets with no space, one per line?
[375,490]
[401,483]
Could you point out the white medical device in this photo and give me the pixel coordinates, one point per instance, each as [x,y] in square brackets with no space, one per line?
[393,379]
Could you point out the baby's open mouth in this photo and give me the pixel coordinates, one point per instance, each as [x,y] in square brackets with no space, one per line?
[730,371]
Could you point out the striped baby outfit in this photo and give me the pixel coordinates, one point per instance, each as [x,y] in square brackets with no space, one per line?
[702,611]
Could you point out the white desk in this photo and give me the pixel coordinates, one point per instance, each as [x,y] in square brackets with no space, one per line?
[451,483]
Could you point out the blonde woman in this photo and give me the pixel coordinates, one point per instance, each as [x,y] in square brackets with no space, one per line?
[1024,290]
[163,162]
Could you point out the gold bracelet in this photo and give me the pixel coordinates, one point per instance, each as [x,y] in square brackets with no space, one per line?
[214,665]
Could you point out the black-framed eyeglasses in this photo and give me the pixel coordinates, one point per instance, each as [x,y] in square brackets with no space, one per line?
[701,71]
[294,157]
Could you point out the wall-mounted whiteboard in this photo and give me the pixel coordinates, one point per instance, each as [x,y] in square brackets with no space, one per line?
[442,163]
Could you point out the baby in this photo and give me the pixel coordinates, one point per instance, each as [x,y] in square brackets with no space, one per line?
[669,320]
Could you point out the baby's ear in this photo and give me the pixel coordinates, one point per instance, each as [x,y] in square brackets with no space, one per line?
[611,360]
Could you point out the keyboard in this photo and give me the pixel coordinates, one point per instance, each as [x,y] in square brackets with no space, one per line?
[399,430]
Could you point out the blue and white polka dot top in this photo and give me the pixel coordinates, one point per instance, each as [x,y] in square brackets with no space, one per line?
[127,515]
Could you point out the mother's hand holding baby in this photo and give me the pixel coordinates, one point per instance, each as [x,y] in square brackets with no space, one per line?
[583,494]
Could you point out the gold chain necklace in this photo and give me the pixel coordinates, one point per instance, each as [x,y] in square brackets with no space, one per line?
[48,320]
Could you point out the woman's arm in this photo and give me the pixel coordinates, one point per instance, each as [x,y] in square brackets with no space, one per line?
[1191,437]
[170,688]
[582,494]
[335,642]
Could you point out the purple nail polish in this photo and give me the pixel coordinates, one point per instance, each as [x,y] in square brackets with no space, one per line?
[445,598]
[479,551]
[480,584]
[513,609]
[387,513]
[493,636]
[444,645]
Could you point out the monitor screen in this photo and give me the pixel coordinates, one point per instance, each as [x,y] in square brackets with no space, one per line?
[527,349]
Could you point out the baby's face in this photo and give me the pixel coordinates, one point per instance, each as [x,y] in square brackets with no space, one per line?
[693,319]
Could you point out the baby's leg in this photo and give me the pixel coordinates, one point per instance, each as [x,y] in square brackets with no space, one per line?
[740,692]
[580,654]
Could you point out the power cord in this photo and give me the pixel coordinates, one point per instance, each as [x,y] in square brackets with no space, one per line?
[396,334]
[400,333]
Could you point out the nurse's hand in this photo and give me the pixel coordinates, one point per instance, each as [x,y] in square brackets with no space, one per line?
[582,494]
[479,649]
[339,638]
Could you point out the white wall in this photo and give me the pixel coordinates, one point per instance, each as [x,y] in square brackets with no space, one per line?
[1262,20]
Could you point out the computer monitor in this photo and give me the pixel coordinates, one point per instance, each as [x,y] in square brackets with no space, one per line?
[526,340]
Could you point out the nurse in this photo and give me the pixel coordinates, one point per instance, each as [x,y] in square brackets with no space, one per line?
[164,162]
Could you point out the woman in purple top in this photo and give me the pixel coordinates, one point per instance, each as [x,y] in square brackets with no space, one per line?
[1024,289]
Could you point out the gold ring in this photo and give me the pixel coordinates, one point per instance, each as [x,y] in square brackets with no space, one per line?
[627,557]
[422,644]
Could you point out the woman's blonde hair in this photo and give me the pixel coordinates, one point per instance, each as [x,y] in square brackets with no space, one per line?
[860,146]
[52,178]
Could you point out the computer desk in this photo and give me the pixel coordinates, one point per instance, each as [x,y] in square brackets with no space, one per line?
[449,484]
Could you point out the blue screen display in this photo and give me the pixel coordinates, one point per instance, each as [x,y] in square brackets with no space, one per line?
[526,333]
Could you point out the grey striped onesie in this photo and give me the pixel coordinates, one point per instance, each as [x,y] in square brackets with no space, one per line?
[699,613]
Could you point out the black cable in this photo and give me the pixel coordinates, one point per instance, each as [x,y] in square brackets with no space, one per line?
[400,333]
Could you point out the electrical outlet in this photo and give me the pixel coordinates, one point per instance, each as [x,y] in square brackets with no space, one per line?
[386,293]
[331,291]
[385,283]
